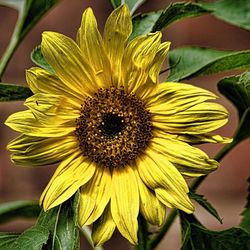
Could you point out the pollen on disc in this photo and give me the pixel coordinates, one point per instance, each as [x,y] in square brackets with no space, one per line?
[113,128]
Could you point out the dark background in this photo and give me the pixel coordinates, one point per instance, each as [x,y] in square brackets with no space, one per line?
[226,188]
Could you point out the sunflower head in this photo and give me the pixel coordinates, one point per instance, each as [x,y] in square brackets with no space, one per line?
[114,127]
[119,136]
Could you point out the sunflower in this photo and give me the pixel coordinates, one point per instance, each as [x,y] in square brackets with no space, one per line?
[120,137]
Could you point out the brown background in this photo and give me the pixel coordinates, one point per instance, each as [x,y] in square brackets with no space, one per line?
[226,188]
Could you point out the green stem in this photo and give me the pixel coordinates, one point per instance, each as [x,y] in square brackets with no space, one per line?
[225,150]
[156,240]
[194,185]
[8,54]
[197,182]
[13,44]
[142,234]
[55,226]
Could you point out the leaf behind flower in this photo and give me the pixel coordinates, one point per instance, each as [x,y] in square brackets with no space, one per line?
[188,62]
[12,92]
[196,236]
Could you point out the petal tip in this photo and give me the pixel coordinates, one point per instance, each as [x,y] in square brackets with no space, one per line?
[88,13]
[124,7]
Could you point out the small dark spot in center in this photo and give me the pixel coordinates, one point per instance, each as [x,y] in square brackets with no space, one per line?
[111,124]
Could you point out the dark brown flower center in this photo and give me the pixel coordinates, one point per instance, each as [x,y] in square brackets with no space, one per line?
[112,124]
[114,127]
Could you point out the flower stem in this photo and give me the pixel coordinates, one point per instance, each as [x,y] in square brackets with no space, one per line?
[142,234]
[8,54]
[170,219]
[194,185]
[225,150]
[13,44]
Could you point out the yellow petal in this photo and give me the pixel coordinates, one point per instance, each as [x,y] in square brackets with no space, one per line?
[158,60]
[156,171]
[117,30]
[71,174]
[151,208]
[187,159]
[92,46]
[159,174]
[38,151]
[53,109]
[125,202]
[172,97]
[137,61]
[66,58]
[177,200]
[103,228]
[26,123]
[201,118]
[95,195]
[42,81]
[196,139]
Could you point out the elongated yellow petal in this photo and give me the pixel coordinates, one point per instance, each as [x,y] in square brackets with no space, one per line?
[149,87]
[71,174]
[42,81]
[172,97]
[125,202]
[46,107]
[103,228]
[97,192]
[201,118]
[92,46]
[158,60]
[150,207]
[26,123]
[187,159]
[138,58]
[158,173]
[177,200]
[117,30]
[39,151]
[66,58]
[194,139]
[204,138]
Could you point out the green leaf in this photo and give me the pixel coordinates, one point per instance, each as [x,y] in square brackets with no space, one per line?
[177,11]
[245,223]
[243,131]
[190,62]
[57,228]
[132,4]
[195,236]
[231,11]
[31,239]
[11,92]
[30,12]
[38,59]
[35,10]
[16,209]
[144,23]
[156,21]
[62,221]
[237,90]
[7,239]
[205,204]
